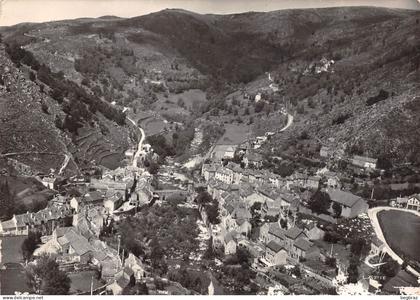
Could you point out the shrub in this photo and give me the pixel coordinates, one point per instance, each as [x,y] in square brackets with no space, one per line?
[382,95]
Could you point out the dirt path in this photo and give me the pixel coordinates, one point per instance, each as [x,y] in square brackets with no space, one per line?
[373,215]
[289,122]
[140,145]
[65,163]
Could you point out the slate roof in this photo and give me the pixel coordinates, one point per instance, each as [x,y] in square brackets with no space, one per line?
[293,232]
[7,225]
[303,244]
[366,159]
[276,230]
[230,236]
[240,212]
[342,197]
[272,245]
[79,243]
[93,196]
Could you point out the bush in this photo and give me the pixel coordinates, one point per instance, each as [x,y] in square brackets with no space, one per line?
[382,95]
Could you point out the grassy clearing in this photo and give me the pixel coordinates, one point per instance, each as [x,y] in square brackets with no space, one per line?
[81,281]
[234,134]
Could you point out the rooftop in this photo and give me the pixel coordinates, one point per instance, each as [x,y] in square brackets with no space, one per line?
[274,246]
[303,244]
[342,197]
[294,232]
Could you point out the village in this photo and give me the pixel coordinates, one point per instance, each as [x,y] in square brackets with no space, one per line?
[306,233]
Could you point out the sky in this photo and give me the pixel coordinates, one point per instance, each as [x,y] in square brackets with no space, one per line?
[19,11]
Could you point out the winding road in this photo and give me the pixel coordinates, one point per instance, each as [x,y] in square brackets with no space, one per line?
[289,122]
[65,163]
[373,216]
[140,145]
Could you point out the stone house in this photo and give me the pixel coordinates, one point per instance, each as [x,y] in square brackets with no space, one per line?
[275,254]
[352,205]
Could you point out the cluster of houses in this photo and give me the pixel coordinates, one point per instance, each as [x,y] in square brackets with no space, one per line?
[70,226]
[238,186]
[57,214]
[234,174]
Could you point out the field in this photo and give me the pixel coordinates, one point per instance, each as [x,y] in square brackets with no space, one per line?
[234,134]
[81,282]
[402,232]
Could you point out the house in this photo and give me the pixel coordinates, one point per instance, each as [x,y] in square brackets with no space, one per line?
[44,221]
[364,162]
[224,175]
[274,233]
[304,249]
[113,201]
[235,216]
[352,205]
[49,182]
[276,255]
[14,227]
[254,198]
[376,246]
[313,232]
[401,201]
[270,208]
[73,246]
[93,198]
[326,152]
[312,182]
[220,152]
[229,243]
[332,180]
[130,153]
[413,202]
[74,203]
[135,264]
[253,160]
[291,235]
[122,280]
[208,171]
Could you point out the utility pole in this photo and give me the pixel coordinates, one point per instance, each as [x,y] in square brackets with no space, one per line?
[91,286]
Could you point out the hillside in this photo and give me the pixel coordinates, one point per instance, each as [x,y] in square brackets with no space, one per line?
[204,70]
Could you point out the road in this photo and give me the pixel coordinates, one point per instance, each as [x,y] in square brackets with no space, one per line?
[140,145]
[372,213]
[65,163]
[289,122]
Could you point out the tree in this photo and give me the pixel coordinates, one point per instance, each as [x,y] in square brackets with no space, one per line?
[358,246]
[46,278]
[331,262]
[244,256]
[296,271]
[6,200]
[203,198]
[320,202]
[259,106]
[158,257]
[353,271]
[337,208]
[390,268]
[384,163]
[212,211]
[30,244]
